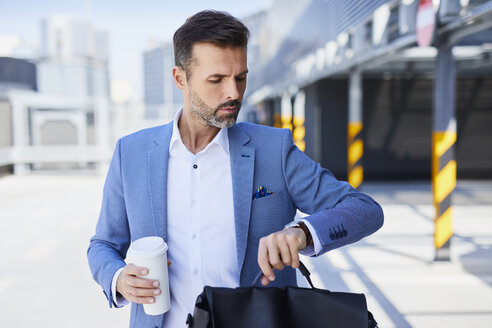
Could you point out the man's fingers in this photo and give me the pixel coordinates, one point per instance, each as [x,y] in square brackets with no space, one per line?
[265,281]
[136,291]
[141,295]
[283,246]
[276,251]
[293,244]
[132,269]
[273,253]
[295,258]
[141,282]
[263,261]
[141,300]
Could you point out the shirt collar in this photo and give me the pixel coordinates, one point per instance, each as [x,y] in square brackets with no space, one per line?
[221,139]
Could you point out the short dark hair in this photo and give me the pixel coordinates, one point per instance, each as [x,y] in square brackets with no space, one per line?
[216,27]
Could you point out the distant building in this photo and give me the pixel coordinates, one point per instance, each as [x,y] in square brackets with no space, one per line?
[17,74]
[74,58]
[162,98]
[55,109]
[255,24]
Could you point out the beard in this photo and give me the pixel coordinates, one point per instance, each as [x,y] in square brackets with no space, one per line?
[210,116]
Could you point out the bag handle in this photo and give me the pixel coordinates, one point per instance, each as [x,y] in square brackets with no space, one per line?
[305,272]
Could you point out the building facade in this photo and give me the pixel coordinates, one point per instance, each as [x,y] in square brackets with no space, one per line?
[74,58]
[384,90]
[57,106]
[319,49]
[161,96]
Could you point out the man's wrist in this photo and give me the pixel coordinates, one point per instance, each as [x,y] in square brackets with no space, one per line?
[118,299]
[305,229]
[301,225]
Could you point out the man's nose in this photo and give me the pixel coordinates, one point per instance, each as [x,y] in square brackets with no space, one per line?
[232,91]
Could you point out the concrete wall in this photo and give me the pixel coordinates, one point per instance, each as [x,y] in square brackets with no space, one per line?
[5,124]
[333,102]
[397,117]
[6,139]
[398,127]
[58,133]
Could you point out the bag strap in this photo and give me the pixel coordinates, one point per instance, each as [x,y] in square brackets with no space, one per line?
[305,272]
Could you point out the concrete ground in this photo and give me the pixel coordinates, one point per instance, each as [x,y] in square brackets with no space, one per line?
[395,267]
[45,225]
[46,222]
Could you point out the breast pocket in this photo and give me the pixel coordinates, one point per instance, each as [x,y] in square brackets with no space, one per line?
[268,214]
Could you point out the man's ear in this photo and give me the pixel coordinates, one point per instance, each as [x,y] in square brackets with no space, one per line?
[179,77]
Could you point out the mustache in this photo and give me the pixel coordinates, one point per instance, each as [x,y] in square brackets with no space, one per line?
[231,103]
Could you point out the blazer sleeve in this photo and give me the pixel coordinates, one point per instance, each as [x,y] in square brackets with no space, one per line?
[108,246]
[339,214]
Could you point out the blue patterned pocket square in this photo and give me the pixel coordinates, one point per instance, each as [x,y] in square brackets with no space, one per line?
[261,192]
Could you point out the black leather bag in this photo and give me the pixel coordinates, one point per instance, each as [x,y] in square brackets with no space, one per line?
[264,307]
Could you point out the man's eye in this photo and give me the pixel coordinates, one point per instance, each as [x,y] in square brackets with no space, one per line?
[214,81]
[243,78]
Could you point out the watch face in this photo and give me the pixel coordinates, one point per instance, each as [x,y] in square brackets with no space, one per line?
[292,225]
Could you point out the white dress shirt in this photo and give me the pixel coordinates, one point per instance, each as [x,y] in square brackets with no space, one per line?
[201,231]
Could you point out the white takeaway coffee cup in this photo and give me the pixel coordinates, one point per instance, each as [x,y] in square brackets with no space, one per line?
[151,253]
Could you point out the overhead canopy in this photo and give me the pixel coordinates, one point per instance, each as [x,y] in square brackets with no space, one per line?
[304,41]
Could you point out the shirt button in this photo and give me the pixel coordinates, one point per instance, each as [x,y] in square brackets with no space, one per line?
[193,236]
[195,271]
[193,201]
[195,166]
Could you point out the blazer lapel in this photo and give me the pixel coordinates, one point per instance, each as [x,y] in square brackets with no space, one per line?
[157,179]
[242,172]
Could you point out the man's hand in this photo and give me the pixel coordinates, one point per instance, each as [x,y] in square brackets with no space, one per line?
[136,289]
[278,250]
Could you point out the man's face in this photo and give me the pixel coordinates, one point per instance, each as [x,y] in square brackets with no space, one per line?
[215,84]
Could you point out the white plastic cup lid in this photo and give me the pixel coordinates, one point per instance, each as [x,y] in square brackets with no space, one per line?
[147,247]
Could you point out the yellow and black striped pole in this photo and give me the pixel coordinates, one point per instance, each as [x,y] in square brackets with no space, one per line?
[443,184]
[443,158]
[355,144]
[355,152]
[286,112]
[299,118]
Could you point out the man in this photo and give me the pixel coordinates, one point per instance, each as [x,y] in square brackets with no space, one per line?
[222,195]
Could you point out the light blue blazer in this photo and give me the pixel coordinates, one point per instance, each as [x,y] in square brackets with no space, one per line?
[135,201]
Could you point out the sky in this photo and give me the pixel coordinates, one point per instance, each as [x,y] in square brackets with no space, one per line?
[131,24]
